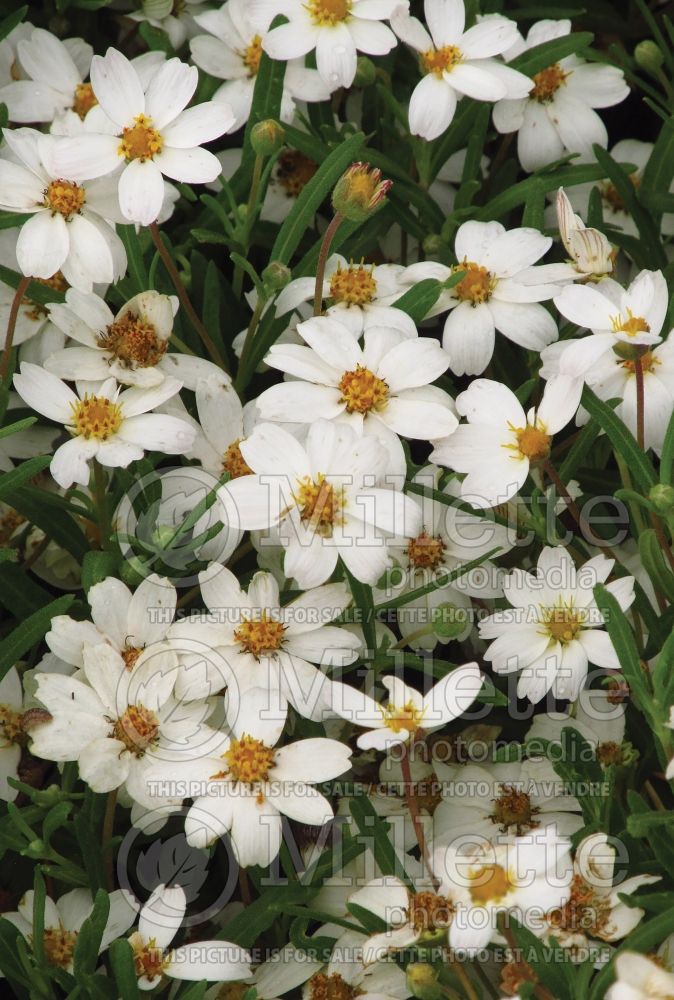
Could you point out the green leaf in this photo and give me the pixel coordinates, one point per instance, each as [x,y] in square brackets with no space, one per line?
[9,962]
[156,39]
[43,509]
[247,926]
[655,565]
[621,439]
[39,899]
[622,637]
[88,942]
[20,425]
[124,969]
[97,566]
[441,580]
[375,833]
[667,457]
[650,249]
[136,269]
[418,301]
[10,481]
[301,216]
[10,22]
[30,631]
[517,194]
[659,171]
[36,292]
[647,936]
[547,53]
[362,596]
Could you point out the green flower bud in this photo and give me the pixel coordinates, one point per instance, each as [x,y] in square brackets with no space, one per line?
[266,137]
[36,849]
[157,8]
[422,981]
[448,620]
[366,72]
[662,498]
[360,192]
[648,57]
[630,352]
[276,276]
[433,244]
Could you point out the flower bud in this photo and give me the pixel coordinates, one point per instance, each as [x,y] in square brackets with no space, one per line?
[366,72]
[648,57]
[630,352]
[360,192]
[266,137]
[422,981]
[433,244]
[157,8]
[276,276]
[662,498]
[448,620]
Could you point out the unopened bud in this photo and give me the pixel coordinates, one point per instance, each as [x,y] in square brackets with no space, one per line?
[366,72]
[422,981]
[662,498]
[360,192]
[648,57]
[276,276]
[448,620]
[433,244]
[630,352]
[266,137]
[157,8]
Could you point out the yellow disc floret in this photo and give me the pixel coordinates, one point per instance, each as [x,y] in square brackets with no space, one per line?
[354,285]
[84,99]
[439,61]
[320,503]
[263,635]
[96,417]
[327,13]
[477,284]
[363,391]
[141,141]
[547,83]
[249,760]
[64,198]
[137,729]
[134,342]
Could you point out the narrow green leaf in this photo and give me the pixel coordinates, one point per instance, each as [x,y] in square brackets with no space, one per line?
[136,269]
[621,439]
[654,564]
[88,942]
[622,637]
[547,53]
[124,969]
[30,631]
[20,425]
[10,481]
[651,250]
[418,301]
[247,926]
[376,834]
[98,566]
[10,22]
[667,457]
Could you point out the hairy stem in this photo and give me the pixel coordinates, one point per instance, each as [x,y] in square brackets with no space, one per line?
[322,261]
[11,325]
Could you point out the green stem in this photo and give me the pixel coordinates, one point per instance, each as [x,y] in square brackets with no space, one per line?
[11,325]
[251,213]
[322,261]
[413,806]
[203,333]
[101,502]
[106,837]
[248,343]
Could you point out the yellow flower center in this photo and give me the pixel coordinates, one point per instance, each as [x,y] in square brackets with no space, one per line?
[547,83]
[442,60]
[84,99]
[631,325]
[141,141]
[354,285]
[11,729]
[331,987]
[234,463]
[477,284]
[513,809]
[649,363]
[261,636]
[133,342]
[252,54]
[59,945]
[426,551]
[319,503]
[329,12]
[610,753]
[9,522]
[137,729]
[490,883]
[148,959]
[563,623]
[429,912]
[249,760]
[533,443]
[583,911]
[130,655]
[293,171]
[96,417]
[405,719]
[362,391]
[65,198]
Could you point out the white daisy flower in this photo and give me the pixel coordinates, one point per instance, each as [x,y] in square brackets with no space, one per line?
[223,424]
[130,345]
[336,29]
[324,497]
[159,921]
[382,387]
[54,72]
[407,712]
[449,537]
[500,444]
[123,727]
[152,134]
[554,628]
[10,69]
[599,720]
[12,735]
[500,290]
[63,921]
[557,116]
[231,51]
[456,63]
[177,19]
[360,295]
[266,645]
[639,978]
[594,909]
[631,316]
[247,788]
[507,800]
[112,427]
[69,230]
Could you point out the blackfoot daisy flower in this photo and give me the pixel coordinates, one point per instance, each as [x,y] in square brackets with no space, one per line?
[112,427]
[152,134]
[456,63]
[554,628]
[639,977]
